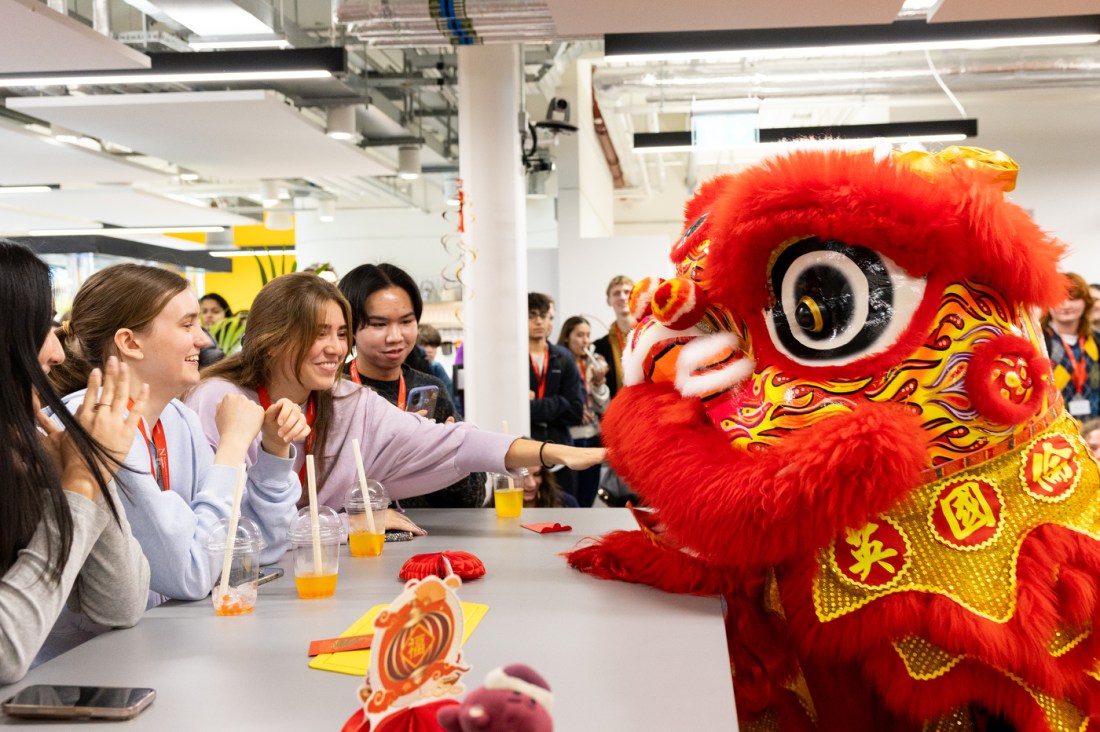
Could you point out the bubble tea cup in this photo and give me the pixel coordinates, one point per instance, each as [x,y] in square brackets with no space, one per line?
[244,565]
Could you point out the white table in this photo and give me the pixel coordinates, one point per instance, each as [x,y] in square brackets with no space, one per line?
[618,656]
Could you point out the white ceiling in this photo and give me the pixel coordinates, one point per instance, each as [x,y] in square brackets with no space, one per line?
[226,135]
[118,206]
[35,38]
[962,10]
[27,158]
[585,19]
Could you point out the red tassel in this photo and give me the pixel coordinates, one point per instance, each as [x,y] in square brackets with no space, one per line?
[463,564]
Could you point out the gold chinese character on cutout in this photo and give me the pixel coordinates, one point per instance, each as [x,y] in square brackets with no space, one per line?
[868,552]
[1051,467]
[967,510]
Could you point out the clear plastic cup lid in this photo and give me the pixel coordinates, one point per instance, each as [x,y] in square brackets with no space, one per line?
[330,526]
[248,537]
[355,500]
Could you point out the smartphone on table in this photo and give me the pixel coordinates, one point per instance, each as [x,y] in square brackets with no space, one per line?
[422,398]
[48,701]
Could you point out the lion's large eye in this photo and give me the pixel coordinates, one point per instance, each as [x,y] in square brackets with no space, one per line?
[835,303]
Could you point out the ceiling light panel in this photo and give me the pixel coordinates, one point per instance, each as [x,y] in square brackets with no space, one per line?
[32,38]
[122,206]
[33,159]
[231,135]
[219,17]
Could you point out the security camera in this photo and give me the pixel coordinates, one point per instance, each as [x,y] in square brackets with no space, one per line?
[557,118]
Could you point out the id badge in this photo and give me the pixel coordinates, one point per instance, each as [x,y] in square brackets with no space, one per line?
[1079,407]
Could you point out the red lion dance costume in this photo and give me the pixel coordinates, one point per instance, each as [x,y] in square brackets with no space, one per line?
[850,431]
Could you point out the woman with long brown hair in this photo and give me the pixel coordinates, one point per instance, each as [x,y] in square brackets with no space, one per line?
[298,338]
[176,488]
[63,535]
[1074,349]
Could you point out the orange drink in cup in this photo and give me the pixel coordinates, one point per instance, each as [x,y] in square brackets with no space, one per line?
[366,505]
[237,596]
[508,495]
[316,555]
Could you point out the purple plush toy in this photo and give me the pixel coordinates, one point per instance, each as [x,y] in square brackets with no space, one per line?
[514,699]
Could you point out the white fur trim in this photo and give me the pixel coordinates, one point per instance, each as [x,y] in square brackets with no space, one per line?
[702,351]
[634,354]
[497,679]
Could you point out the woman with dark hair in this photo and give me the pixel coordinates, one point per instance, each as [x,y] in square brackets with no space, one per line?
[576,336]
[1074,349]
[63,535]
[177,488]
[298,338]
[215,308]
[385,314]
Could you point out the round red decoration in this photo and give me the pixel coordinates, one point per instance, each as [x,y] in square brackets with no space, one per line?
[465,565]
[642,295]
[1050,470]
[874,556]
[679,303]
[1006,379]
[967,513]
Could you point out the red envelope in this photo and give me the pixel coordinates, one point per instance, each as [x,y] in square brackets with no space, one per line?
[547,527]
[336,645]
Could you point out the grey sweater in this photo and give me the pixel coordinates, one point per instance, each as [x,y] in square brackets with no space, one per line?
[104,584]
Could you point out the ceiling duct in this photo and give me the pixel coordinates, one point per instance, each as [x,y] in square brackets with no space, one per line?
[407,23]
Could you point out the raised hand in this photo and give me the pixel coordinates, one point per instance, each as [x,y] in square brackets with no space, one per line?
[283,424]
[238,419]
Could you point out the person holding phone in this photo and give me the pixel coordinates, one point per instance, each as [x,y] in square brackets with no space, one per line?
[66,548]
[385,314]
[297,342]
[176,487]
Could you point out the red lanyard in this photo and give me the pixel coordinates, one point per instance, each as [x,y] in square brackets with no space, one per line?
[158,453]
[400,387]
[541,390]
[311,412]
[584,378]
[1078,365]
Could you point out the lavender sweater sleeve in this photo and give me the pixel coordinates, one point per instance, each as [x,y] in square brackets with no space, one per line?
[409,455]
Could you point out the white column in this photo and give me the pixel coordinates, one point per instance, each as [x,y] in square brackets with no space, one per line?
[495,292]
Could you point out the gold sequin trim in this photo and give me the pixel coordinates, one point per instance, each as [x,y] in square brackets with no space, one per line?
[957,720]
[1095,673]
[1061,715]
[923,660]
[984,582]
[801,690]
[1065,639]
[773,602]
[937,506]
[766,722]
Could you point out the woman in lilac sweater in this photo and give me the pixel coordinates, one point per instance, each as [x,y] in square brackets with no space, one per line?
[295,347]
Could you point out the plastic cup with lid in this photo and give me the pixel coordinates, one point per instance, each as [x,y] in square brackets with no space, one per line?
[366,536]
[316,568]
[244,566]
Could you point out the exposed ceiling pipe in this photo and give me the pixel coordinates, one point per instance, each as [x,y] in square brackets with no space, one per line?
[101,17]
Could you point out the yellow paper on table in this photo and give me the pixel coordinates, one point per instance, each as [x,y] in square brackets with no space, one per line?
[356,663]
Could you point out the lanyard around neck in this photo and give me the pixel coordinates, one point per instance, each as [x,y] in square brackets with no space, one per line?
[400,385]
[158,452]
[541,375]
[311,414]
[1078,366]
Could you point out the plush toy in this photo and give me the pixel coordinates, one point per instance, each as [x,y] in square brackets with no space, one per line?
[514,699]
[842,419]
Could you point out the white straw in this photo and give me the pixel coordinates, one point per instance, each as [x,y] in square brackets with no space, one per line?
[363,483]
[314,523]
[231,532]
[504,426]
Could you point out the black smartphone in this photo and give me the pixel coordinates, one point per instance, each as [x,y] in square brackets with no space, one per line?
[46,701]
[269,574]
[422,398]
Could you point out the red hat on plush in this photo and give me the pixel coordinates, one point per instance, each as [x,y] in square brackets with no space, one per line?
[492,708]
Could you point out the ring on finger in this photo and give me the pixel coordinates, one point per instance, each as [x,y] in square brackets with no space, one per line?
[102,404]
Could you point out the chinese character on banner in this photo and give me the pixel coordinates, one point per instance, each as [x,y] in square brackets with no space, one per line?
[1050,470]
[966,513]
[872,556]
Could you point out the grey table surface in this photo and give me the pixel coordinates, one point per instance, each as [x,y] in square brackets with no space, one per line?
[617,656]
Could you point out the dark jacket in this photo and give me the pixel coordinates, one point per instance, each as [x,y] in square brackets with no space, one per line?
[562,404]
[602,346]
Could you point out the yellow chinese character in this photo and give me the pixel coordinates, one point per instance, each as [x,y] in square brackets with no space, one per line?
[967,510]
[868,552]
[1051,467]
[415,648]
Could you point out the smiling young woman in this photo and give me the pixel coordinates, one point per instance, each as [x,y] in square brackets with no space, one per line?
[176,487]
[297,329]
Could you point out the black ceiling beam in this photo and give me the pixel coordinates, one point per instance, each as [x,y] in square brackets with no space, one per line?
[124,248]
[968,127]
[902,31]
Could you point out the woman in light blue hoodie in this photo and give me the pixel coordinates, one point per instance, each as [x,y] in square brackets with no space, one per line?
[176,486]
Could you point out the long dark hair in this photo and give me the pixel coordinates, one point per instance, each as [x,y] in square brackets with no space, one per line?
[567,329]
[366,279]
[221,301]
[31,492]
[284,319]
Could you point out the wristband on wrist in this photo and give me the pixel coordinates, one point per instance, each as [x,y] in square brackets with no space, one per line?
[542,462]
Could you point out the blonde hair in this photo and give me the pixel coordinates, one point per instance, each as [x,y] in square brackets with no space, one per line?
[616,281]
